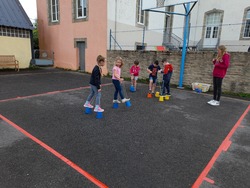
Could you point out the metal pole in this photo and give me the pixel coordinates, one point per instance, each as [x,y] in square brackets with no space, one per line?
[184,46]
[110,39]
[143,38]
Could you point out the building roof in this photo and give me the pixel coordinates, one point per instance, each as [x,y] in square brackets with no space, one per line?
[12,14]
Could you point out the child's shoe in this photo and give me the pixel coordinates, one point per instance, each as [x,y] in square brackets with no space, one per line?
[211,101]
[88,105]
[116,101]
[125,100]
[215,103]
[98,109]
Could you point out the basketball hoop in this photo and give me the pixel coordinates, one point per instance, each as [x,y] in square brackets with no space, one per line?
[160,3]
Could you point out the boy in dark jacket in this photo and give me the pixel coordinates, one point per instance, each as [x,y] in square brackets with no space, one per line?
[95,85]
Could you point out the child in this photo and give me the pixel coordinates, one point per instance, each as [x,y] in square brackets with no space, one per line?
[153,69]
[221,64]
[95,85]
[117,80]
[134,72]
[167,74]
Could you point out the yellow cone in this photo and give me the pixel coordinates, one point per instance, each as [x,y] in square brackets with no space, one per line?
[167,97]
[157,94]
[161,98]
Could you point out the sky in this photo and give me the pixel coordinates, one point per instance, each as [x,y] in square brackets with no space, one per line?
[30,8]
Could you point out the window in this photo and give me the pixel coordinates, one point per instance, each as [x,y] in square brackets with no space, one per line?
[246,33]
[81,9]
[140,13]
[14,32]
[208,32]
[215,32]
[54,10]
[212,25]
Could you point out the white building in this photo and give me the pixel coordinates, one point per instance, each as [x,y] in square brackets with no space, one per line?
[215,22]
[212,23]
[132,28]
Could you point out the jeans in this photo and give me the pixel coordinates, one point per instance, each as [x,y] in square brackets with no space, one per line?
[217,82]
[118,89]
[93,92]
[166,79]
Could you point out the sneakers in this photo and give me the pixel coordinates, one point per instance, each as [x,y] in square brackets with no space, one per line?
[214,103]
[88,105]
[98,109]
[211,101]
[125,100]
[168,94]
[116,101]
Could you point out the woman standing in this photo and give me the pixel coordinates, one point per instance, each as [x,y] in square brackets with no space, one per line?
[221,63]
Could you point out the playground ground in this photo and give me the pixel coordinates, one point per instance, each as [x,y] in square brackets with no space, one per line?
[46,139]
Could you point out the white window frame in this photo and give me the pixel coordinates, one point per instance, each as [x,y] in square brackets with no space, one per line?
[54,4]
[82,7]
[141,14]
[246,31]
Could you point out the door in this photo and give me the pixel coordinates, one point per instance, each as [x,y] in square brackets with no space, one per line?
[81,55]
[212,28]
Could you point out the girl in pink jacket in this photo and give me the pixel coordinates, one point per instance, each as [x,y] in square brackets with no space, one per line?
[221,63]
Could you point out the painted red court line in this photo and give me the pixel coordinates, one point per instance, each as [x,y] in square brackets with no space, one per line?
[60,156]
[48,93]
[204,173]
[227,145]
[209,180]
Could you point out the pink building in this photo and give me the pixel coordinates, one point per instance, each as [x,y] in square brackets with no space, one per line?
[75,30]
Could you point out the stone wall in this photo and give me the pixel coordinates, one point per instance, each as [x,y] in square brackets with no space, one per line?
[198,67]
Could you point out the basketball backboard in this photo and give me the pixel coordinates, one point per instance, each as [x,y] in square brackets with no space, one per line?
[155,4]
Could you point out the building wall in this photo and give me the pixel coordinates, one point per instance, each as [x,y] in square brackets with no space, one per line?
[198,67]
[126,31]
[233,13]
[20,47]
[61,37]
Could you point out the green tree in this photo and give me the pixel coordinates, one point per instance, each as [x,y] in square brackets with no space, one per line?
[35,36]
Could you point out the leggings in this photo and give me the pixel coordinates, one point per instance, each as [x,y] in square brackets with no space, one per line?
[217,88]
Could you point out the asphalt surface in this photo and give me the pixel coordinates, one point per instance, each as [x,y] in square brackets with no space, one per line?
[46,139]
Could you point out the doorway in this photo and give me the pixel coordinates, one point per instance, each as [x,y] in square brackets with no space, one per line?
[212,30]
[81,55]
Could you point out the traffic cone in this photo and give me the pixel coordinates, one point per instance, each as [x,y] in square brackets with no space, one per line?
[149,95]
[167,97]
[161,98]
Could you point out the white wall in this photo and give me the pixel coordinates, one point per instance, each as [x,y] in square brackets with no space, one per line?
[122,19]
[231,26]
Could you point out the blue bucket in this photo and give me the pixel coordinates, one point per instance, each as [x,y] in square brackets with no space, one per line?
[115,105]
[128,103]
[132,89]
[99,115]
[88,110]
